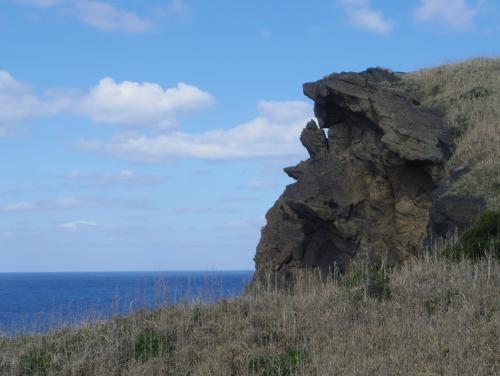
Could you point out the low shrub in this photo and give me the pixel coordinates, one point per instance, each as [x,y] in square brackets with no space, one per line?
[482,237]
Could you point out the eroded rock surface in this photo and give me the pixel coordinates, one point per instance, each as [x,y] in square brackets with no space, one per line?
[369,187]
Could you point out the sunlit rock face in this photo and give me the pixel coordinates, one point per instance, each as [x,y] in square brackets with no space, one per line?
[370,185]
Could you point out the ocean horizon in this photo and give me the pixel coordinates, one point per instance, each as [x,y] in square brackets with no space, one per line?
[36,302]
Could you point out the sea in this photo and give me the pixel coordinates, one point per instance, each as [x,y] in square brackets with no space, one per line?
[33,303]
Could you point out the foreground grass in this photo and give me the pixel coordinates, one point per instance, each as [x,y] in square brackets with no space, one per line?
[431,317]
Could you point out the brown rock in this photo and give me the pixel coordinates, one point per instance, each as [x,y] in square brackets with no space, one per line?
[368,189]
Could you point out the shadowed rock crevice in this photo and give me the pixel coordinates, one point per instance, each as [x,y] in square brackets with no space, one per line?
[369,188]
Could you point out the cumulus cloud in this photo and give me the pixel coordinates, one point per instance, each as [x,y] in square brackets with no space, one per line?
[362,16]
[273,133]
[455,14]
[106,17]
[125,103]
[78,225]
[133,103]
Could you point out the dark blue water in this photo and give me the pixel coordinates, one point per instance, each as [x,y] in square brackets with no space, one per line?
[37,302]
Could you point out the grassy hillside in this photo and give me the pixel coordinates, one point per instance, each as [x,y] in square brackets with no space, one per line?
[432,316]
[469,95]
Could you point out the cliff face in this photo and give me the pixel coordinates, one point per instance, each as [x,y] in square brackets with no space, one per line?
[373,188]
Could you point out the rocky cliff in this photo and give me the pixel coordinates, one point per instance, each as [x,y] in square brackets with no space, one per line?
[375,185]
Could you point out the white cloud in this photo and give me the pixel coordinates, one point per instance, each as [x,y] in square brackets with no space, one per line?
[126,103]
[274,133]
[78,225]
[105,17]
[17,207]
[133,103]
[19,103]
[362,16]
[455,14]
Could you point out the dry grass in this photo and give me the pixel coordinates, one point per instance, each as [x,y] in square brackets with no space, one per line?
[439,318]
[469,94]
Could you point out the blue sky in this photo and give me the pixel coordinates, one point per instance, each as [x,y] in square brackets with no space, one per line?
[151,135]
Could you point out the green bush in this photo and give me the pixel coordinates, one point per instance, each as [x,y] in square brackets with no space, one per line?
[482,237]
[149,344]
[282,365]
[37,364]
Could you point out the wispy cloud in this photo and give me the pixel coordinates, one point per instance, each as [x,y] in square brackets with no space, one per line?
[261,184]
[203,210]
[363,16]
[74,202]
[124,177]
[78,225]
[273,133]
[252,225]
[179,8]
[18,103]
[106,17]
[41,3]
[454,14]
[100,15]
[18,207]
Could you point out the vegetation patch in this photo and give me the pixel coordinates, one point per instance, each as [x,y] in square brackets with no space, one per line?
[281,365]
[441,302]
[376,282]
[479,239]
[36,363]
[197,315]
[476,93]
[150,344]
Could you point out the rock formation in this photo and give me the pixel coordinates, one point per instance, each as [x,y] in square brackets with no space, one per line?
[374,187]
